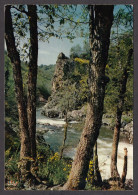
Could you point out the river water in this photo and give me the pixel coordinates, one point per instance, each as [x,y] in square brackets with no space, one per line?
[54,134]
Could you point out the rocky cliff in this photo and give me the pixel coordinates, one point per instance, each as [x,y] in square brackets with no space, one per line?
[64,66]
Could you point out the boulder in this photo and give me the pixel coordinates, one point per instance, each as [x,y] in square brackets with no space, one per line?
[127,130]
[77,114]
[51,113]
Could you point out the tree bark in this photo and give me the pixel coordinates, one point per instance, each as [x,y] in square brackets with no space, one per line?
[15,60]
[124,173]
[101,18]
[97,175]
[32,78]
[114,172]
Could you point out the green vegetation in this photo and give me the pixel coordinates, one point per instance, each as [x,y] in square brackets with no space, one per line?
[50,167]
[44,83]
[117,60]
[78,78]
[73,94]
[75,89]
[53,168]
[44,80]
[10,102]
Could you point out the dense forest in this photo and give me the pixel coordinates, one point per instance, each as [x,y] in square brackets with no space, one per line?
[88,91]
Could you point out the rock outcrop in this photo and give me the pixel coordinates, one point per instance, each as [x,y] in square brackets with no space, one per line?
[77,115]
[127,130]
[64,66]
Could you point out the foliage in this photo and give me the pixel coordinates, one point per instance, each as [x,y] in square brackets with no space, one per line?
[44,80]
[81,61]
[74,92]
[117,60]
[12,147]
[81,52]
[75,51]
[90,184]
[10,102]
[121,42]
[50,167]
[11,167]
[43,152]
[44,83]
[56,170]
[51,20]
[90,176]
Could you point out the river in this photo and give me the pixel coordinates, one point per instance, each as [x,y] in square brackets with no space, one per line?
[54,137]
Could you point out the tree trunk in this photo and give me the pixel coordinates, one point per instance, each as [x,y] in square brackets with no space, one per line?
[97,175]
[124,173]
[23,123]
[114,172]
[32,77]
[65,136]
[101,18]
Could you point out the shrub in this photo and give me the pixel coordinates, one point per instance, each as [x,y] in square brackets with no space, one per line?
[56,170]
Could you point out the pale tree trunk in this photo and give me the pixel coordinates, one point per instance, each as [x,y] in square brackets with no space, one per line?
[101,18]
[23,123]
[32,78]
[114,172]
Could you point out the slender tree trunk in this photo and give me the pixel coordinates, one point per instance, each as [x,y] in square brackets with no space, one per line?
[123,82]
[97,175]
[15,60]
[65,136]
[32,78]
[124,173]
[101,18]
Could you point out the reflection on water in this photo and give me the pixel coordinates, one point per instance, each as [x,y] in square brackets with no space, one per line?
[54,137]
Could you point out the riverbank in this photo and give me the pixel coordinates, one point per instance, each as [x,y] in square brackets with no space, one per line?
[53,128]
[51,169]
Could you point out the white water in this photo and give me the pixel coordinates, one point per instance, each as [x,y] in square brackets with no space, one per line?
[45,120]
[57,122]
[55,138]
[104,155]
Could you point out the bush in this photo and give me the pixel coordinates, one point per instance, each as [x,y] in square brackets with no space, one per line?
[12,171]
[56,170]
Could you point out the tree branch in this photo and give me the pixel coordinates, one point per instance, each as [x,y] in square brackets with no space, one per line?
[23,11]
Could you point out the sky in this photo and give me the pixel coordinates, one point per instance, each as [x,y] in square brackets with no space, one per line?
[48,51]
